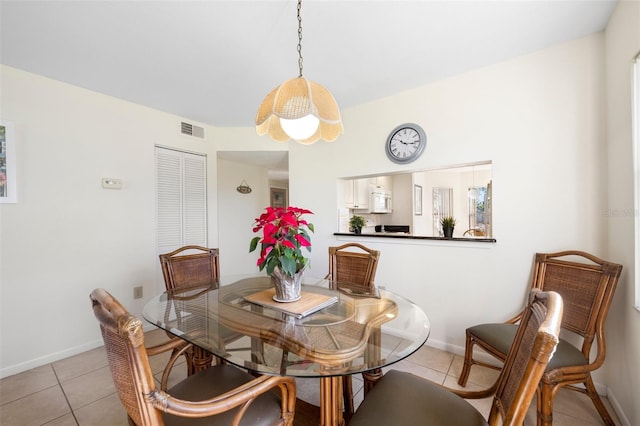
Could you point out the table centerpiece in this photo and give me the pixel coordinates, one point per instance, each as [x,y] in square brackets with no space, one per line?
[284,234]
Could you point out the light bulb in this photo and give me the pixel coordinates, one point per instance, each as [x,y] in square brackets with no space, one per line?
[302,128]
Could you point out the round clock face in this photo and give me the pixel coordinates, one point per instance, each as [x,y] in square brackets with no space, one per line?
[405,143]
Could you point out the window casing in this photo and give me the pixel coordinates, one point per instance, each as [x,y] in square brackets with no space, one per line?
[635,122]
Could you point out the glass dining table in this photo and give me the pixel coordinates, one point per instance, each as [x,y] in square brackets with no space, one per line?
[341,329]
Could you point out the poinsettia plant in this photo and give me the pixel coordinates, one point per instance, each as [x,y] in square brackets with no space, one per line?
[284,234]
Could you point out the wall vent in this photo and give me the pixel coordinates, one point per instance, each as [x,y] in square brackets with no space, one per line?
[191,130]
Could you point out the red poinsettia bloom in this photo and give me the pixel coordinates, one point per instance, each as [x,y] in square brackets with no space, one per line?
[284,234]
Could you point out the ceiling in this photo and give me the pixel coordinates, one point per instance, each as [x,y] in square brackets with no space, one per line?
[214,61]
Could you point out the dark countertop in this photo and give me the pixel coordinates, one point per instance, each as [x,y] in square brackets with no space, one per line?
[414,237]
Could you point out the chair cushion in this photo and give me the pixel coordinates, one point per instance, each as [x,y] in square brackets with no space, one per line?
[265,410]
[500,336]
[401,398]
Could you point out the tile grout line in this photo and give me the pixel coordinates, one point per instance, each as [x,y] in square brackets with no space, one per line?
[73,414]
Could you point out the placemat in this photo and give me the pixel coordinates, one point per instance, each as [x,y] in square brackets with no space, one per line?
[308,303]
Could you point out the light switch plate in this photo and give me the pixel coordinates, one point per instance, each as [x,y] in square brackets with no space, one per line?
[111,183]
[137,292]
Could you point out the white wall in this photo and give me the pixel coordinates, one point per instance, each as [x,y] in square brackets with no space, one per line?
[622,43]
[67,235]
[538,118]
[236,216]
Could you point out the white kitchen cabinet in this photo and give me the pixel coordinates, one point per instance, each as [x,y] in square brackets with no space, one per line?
[356,193]
[384,182]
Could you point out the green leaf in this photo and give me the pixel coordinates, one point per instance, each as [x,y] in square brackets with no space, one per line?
[271,263]
[254,244]
[288,265]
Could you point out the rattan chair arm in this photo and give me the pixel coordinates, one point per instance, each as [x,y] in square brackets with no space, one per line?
[241,396]
[466,394]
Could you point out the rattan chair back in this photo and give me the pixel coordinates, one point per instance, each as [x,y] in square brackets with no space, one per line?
[190,266]
[353,263]
[586,288]
[531,350]
[124,342]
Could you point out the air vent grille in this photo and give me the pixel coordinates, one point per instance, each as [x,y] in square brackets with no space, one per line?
[191,130]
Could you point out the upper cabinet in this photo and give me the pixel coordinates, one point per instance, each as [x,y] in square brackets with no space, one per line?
[383,182]
[356,193]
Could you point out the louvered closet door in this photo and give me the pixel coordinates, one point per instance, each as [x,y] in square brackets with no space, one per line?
[181,199]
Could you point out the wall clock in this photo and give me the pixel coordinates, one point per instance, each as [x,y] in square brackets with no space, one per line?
[406,143]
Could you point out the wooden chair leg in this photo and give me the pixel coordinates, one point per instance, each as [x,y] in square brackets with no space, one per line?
[602,410]
[538,405]
[468,360]
[546,394]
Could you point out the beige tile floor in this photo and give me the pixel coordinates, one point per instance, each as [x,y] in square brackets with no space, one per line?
[79,391]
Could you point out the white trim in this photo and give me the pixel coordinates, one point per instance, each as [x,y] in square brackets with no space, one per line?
[617,408]
[635,124]
[49,358]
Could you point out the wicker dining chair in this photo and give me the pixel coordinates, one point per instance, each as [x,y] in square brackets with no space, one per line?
[474,232]
[352,265]
[219,395]
[401,398]
[586,283]
[190,266]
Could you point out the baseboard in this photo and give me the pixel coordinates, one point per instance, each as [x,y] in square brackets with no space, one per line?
[617,408]
[49,358]
[459,350]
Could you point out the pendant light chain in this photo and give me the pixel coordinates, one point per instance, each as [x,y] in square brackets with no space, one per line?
[299,38]
[299,109]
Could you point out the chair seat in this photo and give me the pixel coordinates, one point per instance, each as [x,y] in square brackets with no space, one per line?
[265,410]
[401,398]
[500,336]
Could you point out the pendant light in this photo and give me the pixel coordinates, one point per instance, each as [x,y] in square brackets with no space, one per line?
[299,109]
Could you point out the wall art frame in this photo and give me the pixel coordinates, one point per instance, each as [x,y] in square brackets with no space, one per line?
[8,184]
[278,197]
[417,199]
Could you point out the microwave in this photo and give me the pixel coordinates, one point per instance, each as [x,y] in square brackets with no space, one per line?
[380,201]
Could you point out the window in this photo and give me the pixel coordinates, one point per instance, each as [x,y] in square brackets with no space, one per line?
[635,122]
[479,211]
[442,207]
[181,199]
